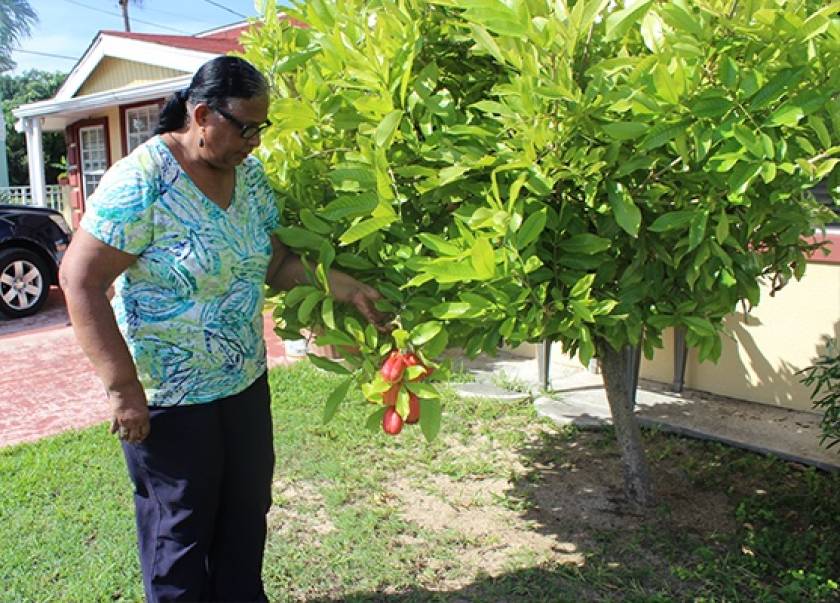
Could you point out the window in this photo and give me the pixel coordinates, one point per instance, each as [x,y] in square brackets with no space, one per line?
[140,123]
[94,157]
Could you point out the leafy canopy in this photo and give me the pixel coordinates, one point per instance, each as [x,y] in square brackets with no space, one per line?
[521,170]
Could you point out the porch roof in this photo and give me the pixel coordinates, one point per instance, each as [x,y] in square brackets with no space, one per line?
[56,114]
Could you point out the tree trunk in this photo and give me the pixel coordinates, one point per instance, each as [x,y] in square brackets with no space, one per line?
[124,7]
[615,366]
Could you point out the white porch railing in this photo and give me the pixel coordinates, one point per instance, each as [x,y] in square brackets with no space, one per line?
[22,195]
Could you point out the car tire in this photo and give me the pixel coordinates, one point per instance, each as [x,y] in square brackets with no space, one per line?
[24,282]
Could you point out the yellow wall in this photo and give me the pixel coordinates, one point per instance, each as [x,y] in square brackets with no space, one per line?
[782,335]
[114,129]
[114,73]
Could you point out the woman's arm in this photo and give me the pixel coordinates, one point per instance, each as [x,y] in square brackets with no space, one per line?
[286,270]
[87,271]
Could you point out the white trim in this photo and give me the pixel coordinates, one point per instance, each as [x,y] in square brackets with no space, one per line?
[84,173]
[35,157]
[102,100]
[152,53]
[126,125]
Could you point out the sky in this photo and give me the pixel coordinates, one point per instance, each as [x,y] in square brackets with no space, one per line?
[67,27]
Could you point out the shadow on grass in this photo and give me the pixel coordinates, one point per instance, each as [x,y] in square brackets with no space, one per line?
[729,525]
[531,585]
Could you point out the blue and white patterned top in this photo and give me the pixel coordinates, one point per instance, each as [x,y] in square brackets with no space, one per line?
[190,307]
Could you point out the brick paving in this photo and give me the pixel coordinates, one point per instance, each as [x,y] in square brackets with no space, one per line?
[47,384]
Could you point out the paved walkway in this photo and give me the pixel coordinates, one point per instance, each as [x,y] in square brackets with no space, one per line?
[577,397]
[47,384]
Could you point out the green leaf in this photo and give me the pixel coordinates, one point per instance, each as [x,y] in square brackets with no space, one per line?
[328,365]
[335,398]
[483,258]
[290,62]
[328,313]
[450,310]
[355,262]
[583,285]
[295,236]
[386,128]
[581,310]
[749,140]
[585,243]
[313,223]
[333,337]
[423,390]
[586,348]
[711,106]
[698,325]
[722,228]
[350,206]
[742,175]
[729,73]
[484,40]
[776,87]
[818,126]
[662,134]
[353,178]
[401,337]
[697,229]
[625,130]
[788,114]
[666,86]
[451,271]
[438,244]
[365,228]
[679,19]
[531,228]
[297,295]
[430,419]
[627,214]
[305,309]
[620,22]
[326,255]
[374,420]
[671,221]
[437,345]
[425,332]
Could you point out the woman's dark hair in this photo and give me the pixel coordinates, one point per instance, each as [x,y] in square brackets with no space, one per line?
[214,83]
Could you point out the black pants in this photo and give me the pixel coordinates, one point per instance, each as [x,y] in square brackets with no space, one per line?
[202,484]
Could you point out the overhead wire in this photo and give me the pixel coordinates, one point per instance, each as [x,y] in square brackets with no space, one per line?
[46,54]
[223,7]
[106,12]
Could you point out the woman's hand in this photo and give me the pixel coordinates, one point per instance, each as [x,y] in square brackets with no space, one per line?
[364,298]
[286,270]
[130,413]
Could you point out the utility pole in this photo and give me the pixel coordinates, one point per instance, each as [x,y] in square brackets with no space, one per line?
[124,7]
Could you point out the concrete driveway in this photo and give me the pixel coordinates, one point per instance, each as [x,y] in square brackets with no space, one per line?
[47,385]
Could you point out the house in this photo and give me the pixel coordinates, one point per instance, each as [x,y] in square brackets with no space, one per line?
[110,101]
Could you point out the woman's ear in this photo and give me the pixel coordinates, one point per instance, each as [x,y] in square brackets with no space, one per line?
[200,113]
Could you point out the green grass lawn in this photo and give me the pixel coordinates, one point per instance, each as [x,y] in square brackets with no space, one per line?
[504,506]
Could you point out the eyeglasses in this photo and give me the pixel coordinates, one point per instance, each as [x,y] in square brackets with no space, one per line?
[245,130]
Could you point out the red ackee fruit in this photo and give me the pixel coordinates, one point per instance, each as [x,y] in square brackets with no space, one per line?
[393,367]
[413,409]
[391,421]
[389,398]
[411,359]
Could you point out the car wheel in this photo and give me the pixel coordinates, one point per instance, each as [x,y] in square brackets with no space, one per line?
[24,283]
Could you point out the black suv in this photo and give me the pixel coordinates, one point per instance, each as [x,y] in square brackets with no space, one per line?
[32,242]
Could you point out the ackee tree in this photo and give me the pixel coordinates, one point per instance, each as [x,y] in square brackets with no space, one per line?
[514,171]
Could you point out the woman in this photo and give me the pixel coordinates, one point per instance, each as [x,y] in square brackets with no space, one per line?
[182,227]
